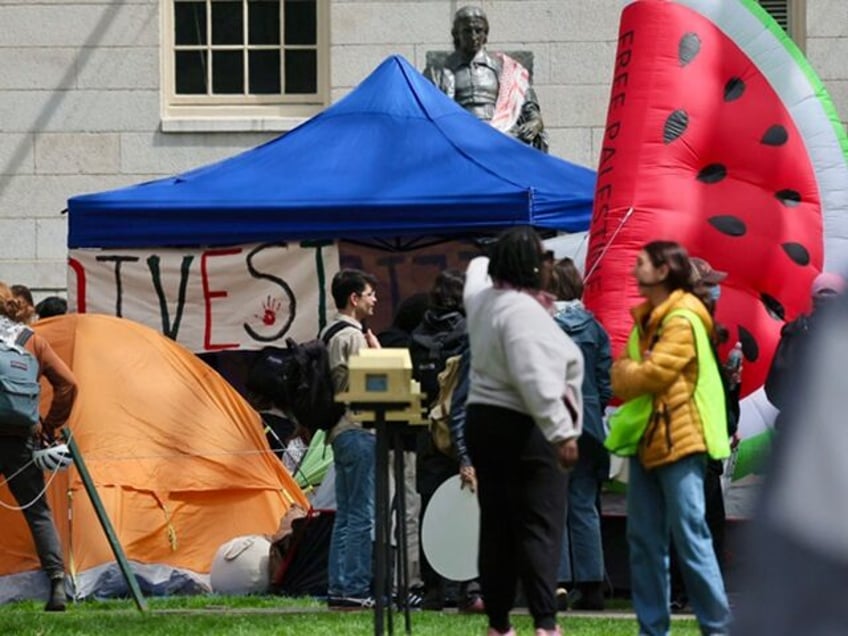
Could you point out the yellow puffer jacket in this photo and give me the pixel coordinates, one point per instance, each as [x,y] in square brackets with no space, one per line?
[669,371]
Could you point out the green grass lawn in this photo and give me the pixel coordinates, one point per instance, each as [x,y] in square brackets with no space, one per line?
[189,616]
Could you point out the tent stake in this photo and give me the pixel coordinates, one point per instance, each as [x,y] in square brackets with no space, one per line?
[105,523]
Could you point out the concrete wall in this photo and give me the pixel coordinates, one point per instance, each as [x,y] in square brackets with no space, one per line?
[80,100]
[573,42]
[827,48]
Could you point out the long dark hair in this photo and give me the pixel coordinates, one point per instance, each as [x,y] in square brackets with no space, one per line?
[516,258]
[675,256]
[446,293]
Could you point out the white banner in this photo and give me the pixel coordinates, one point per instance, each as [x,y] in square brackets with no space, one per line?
[212,299]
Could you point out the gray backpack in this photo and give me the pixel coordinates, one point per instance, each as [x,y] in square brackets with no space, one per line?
[19,388]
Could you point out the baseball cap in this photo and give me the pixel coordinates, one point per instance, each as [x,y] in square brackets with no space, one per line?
[703,272]
[827,283]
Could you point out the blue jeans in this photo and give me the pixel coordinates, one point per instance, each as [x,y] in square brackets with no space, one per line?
[582,536]
[349,564]
[670,500]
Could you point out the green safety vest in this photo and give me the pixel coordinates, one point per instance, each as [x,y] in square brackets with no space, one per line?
[628,423]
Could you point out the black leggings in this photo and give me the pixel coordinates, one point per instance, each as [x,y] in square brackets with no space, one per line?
[522,494]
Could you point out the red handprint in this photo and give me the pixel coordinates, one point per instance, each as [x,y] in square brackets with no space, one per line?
[270,308]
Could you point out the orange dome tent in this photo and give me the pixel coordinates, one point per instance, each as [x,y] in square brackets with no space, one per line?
[178,457]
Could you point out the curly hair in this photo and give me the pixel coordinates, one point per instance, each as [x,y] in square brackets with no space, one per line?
[516,258]
[14,307]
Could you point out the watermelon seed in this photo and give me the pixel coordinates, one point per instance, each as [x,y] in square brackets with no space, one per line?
[733,89]
[712,173]
[789,198]
[675,125]
[773,307]
[728,224]
[797,253]
[690,45]
[775,136]
[750,348]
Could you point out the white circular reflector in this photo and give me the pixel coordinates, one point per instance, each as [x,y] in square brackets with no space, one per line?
[450,532]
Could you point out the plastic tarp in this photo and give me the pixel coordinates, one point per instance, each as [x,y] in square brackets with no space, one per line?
[394,158]
[315,463]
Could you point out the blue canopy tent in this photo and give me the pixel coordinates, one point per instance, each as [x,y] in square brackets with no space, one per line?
[394,158]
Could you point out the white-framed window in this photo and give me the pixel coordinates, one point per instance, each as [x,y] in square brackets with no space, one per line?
[243,64]
[790,14]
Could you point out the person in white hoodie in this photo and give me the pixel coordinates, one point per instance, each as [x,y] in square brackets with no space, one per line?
[524,416]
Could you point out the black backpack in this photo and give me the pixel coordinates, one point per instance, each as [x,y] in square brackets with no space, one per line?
[297,380]
[782,379]
[430,351]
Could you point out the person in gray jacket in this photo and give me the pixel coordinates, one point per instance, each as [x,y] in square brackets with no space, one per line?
[582,559]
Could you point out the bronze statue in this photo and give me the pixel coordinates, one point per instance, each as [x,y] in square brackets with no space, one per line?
[493,86]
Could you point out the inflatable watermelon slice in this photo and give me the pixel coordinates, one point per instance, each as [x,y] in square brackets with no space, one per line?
[719,136]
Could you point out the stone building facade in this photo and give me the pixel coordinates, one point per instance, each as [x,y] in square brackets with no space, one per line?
[87,97]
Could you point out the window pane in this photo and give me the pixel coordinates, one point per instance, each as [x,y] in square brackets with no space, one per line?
[300,22]
[227,23]
[301,72]
[264,72]
[263,21]
[190,22]
[191,72]
[227,73]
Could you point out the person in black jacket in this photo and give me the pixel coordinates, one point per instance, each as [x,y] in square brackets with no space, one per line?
[783,376]
[408,316]
[440,335]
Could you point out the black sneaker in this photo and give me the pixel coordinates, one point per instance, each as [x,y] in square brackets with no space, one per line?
[351,602]
[57,598]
